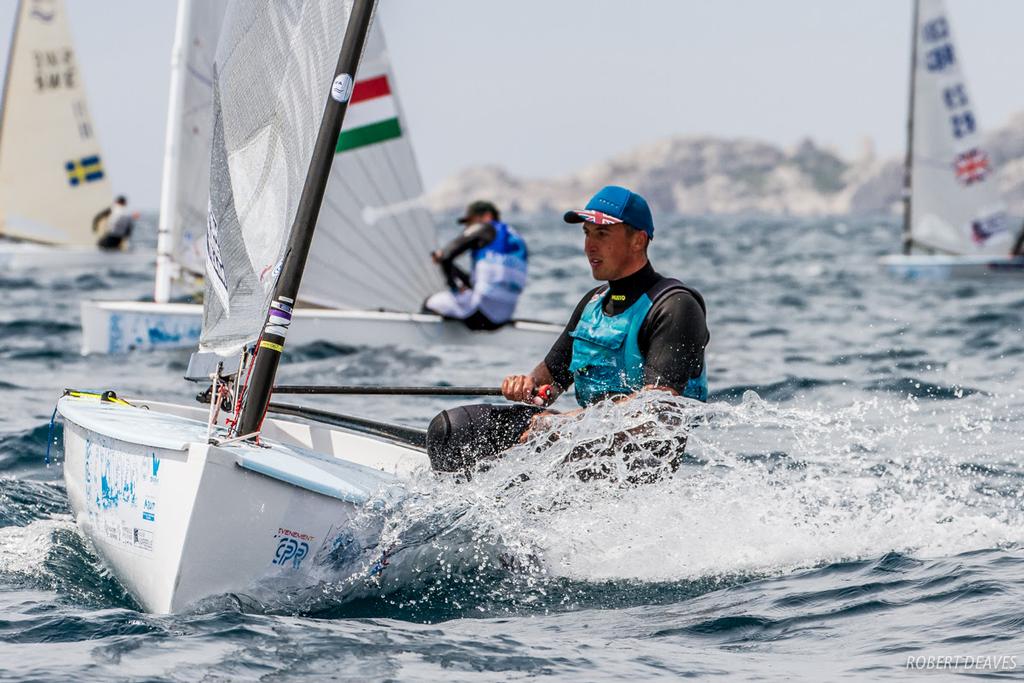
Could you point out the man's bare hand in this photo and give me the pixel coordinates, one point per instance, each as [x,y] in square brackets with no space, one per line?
[538,388]
[520,388]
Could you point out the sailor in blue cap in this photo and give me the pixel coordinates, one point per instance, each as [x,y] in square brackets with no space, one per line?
[638,330]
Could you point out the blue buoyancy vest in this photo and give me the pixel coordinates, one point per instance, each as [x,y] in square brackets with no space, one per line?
[499,273]
[606,356]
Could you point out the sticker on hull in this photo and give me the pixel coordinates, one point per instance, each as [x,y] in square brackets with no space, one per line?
[292,548]
[121,493]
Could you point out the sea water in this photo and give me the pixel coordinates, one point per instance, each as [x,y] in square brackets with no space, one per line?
[851,502]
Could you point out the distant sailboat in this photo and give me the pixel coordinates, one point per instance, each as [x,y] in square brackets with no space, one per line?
[52,177]
[369,269]
[954,222]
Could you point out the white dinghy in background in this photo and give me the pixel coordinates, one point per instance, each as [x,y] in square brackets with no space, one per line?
[955,223]
[20,256]
[52,178]
[113,327]
[369,270]
[949,267]
[175,515]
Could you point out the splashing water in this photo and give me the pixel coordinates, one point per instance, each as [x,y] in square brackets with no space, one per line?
[762,490]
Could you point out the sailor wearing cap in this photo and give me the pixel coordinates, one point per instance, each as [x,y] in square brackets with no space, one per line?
[486,298]
[638,330]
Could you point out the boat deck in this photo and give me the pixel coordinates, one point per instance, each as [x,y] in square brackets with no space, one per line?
[291,464]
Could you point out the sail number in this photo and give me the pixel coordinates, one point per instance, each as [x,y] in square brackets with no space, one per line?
[938,57]
[55,69]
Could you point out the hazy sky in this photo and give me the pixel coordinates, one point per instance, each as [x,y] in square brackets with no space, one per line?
[545,87]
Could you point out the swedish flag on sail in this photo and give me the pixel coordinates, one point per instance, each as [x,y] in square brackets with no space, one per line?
[84,170]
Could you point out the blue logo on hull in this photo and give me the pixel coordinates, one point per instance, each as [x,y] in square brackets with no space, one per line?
[291,550]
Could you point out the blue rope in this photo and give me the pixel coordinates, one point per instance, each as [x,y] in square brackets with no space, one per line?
[49,435]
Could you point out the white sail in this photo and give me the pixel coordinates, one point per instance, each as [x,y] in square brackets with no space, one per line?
[185,195]
[52,178]
[955,205]
[371,249]
[273,72]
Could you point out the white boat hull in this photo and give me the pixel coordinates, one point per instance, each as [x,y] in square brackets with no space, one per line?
[25,256]
[177,520]
[120,327]
[938,267]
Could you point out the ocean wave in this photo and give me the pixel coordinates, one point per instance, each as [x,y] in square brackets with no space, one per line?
[319,350]
[777,391]
[35,328]
[49,554]
[916,388]
[23,502]
[25,451]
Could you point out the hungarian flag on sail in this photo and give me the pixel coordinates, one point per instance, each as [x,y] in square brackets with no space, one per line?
[372,115]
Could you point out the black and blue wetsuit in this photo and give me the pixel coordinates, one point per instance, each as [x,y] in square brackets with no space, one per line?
[671,340]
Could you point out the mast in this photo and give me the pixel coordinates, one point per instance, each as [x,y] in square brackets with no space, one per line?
[909,161]
[165,265]
[271,342]
[7,73]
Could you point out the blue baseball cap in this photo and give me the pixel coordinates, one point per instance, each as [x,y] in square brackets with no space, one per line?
[614,204]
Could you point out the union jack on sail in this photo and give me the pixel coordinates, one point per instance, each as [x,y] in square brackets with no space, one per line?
[971,166]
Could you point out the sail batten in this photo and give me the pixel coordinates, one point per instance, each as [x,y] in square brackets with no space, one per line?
[955,206]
